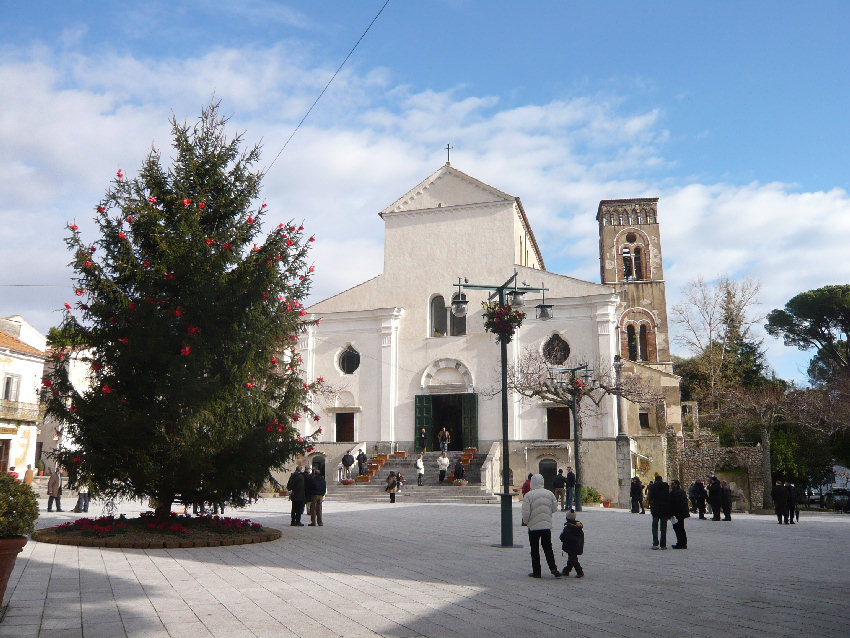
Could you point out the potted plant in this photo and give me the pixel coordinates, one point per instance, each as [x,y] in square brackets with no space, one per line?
[39,465]
[18,512]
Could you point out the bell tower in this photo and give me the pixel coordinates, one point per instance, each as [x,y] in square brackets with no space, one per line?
[630,261]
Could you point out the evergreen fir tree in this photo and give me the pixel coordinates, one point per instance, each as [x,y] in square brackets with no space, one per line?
[190,315]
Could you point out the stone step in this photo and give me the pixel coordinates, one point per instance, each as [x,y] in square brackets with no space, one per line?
[413,493]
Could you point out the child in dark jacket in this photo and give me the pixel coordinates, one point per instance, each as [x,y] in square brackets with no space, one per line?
[572,542]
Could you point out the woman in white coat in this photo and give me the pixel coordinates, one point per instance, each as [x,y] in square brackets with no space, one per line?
[537,509]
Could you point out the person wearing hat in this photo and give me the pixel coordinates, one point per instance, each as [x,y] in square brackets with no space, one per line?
[572,542]
[537,509]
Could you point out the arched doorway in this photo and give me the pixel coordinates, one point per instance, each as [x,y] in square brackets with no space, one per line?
[548,468]
[318,464]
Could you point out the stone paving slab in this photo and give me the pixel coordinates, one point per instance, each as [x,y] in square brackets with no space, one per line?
[409,570]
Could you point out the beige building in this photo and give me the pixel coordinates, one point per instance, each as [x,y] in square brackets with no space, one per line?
[401,362]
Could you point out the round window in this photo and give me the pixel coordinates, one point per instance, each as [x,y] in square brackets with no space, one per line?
[631,238]
[556,351]
[349,360]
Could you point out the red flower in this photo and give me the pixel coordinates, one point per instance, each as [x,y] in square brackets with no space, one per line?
[250,219]
[194,330]
[73,408]
[152,199]
[264,204]
[280,226]
[77,459]
[131,219]
[202,205]
[106,389]
[310,449]
[186,351]
[256,250]
[277,257]
[113,320]
[67,305]
[101,209]
[301,313]
[300,440]
[274,361]
[120,173]
[96,366]
[316,418]
[79,292]
[227,245]
[321,379]
[306,386]
[320,429]
[209,241]
[269,428]
[121,235]
[313,238]
[187,201]
[310,269]
[288,242]
[132,305]
[124,340]
[87,264]
[280,428]
[178,311]
[250,385]
[47,383]
[301,227]
[146,263]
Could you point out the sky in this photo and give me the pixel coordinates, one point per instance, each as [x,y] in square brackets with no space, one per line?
[734,114]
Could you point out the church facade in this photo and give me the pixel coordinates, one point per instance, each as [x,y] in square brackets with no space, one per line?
[399,361]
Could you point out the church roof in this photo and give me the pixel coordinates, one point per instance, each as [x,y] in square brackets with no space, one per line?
[420,198]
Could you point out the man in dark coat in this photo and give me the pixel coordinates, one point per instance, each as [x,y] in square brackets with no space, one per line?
[459,471]
[679,511]
[780,502]
[318,489]
[361,462]
[298,495]
[636,494]
[699,497]
[571,487]
[792,501]
[559,485]
[659,507]
[714,497]
[347,462]
[726,500]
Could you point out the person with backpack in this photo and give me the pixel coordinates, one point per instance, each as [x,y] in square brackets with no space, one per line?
[572,542]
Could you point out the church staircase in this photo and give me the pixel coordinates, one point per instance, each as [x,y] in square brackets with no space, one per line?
[372,487]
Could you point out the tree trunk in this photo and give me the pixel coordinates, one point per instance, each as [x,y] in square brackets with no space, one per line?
[766,468]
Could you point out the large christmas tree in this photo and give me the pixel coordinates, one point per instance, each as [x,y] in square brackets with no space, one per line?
[190,315]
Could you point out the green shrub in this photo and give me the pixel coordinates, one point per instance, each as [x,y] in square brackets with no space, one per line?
[590,495]
[18,507]
[39,464]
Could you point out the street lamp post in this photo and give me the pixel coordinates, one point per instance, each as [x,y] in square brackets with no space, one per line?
[545,312]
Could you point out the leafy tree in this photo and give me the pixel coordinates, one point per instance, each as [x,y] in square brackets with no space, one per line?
[59,337]
[817,319]
[191,315]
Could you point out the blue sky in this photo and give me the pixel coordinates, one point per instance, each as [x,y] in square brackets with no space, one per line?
[733,113]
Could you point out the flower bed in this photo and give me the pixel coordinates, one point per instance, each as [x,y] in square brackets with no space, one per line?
[150,531]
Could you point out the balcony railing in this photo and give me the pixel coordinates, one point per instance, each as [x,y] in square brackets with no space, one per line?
[19,411]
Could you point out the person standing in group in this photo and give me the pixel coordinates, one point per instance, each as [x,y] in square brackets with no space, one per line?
[537,509]
[636,494]
[444,438]
[699,497]
[442,465]
[572,542]
[318,490]
[559,483]
[726,500]
[82,496]
[526,486]
[392,486]
[423,440]
[792,501]
[297,494]
[459,471]
[680,511]
[571,487]
[347,462]
[362,459]
[54,490]
[659,507]
[780,502]
[714,497]
[420,470]
[28,475]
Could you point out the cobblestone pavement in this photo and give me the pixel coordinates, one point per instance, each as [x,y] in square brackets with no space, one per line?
[431,570]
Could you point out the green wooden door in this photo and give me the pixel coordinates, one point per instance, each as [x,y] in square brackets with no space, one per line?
[469,419]
[423,418]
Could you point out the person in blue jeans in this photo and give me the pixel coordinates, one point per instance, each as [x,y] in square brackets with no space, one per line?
[444,439]
[571,487]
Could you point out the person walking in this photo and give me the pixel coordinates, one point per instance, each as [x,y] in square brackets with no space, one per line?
[297,494]
[362,459]
[537,509]
[392,486]
[780,502]
[572,542]
[318,491]
[659,507]
[444,438]
[420,470]
[636,494]
[571,487]
[726,500]
[443,465]
[347,462]
[54,491]
[559,483]
[680,511]
[701,495]
[714,497]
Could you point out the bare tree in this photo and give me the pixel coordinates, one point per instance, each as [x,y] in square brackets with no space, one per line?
[709,316]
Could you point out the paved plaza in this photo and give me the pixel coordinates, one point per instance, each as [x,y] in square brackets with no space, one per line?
[430,570]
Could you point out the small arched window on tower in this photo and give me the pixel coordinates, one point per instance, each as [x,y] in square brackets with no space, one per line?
[638,263]
[457,324]
[642,342]
[438,316]
[631,339]
[628,264]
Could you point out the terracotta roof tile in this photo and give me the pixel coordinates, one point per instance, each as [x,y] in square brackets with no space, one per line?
[16,345]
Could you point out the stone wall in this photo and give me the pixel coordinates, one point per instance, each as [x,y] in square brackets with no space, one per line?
[703,458]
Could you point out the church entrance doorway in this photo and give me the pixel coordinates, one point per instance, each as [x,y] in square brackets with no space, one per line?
[458,413]
[345,427]
[548,468]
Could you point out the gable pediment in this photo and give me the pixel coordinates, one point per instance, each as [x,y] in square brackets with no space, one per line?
[446,188]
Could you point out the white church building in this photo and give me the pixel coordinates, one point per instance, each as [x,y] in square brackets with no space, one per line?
[400,361]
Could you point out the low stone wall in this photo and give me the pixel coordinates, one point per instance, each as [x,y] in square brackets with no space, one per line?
[740,466]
